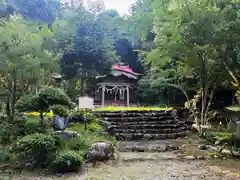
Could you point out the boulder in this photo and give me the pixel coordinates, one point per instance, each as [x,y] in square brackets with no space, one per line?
[202,147]
[189,157]
[65,135]
[226,151]
[100,151]
[59,123]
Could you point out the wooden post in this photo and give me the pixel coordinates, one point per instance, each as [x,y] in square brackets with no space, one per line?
[238,130]
[85,119]
[103,95]
[127,96]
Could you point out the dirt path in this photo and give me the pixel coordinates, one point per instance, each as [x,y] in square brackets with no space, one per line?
[149,166]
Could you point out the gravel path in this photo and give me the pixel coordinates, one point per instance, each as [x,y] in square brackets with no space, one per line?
[158,166]
[162,170]
[149,166]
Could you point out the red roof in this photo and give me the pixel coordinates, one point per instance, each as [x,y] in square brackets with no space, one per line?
[123,68]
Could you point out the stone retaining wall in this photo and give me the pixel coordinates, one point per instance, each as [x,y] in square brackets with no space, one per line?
[148,125]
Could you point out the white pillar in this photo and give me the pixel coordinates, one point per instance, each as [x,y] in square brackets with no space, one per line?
[103,95]
[127,96]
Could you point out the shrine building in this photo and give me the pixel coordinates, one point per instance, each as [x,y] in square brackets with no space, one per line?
[116,88]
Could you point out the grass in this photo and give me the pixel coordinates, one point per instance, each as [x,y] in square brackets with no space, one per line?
[115,108]
[93,134]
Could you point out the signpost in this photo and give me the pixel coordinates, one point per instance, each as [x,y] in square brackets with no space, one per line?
[85,103]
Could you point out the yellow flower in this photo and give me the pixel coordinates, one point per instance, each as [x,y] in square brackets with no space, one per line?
[49,114]
[115,108]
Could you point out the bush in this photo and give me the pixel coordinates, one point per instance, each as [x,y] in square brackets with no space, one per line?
[37,150]
[5,155]
[5,133]
[95,127]
[59,110]
[32,128]
[222,137]
[42,101]
[10,131]
[67,161]
[28,103]
[53,96]
[80,143]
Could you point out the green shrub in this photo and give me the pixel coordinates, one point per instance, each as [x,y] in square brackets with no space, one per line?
[67,161]
[79,143]
[32,128]
[37,150]
[28,103]
[5,133]
[43,101]
[213,136]
[59,110]
[10,131]
[95,126]
[5,155]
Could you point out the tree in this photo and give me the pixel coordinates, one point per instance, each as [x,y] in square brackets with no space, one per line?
[88,51]
[190,40]
[21,54]
[43,11]
[43,100]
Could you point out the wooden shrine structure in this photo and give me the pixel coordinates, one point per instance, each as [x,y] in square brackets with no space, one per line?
[116,88]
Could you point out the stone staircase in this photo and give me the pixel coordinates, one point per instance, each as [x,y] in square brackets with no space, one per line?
[144,125]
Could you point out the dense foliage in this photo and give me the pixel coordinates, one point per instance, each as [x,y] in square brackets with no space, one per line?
[67,161]
[37,150]
[195,49]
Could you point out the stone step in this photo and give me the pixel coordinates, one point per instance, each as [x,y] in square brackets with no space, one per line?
[146,146]
[132,111]
[150,136]
[139,118]
[151,126]
[135,114]
[169,121]
[146,131]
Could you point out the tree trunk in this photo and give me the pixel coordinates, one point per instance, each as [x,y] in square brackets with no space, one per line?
[82,83]
[9,114]
[8,111]
[14,93]
[41,119]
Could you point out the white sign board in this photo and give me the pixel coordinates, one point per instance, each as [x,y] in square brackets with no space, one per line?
[85,102]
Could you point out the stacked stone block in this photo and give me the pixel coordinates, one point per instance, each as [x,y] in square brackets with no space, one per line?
[144,125]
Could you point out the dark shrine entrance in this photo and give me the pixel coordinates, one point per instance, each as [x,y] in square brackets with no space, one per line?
[116,88]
